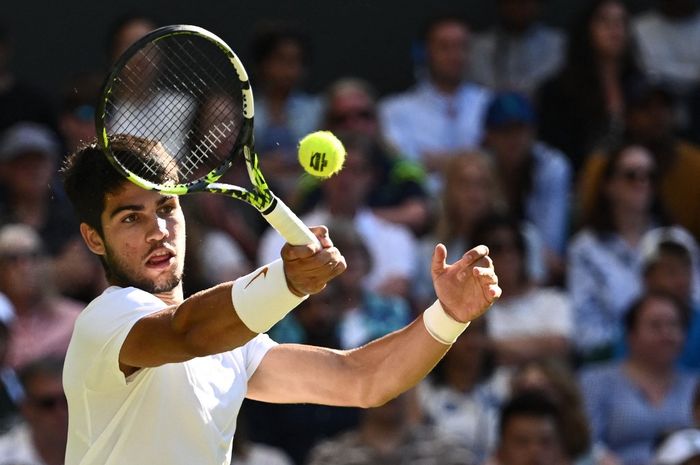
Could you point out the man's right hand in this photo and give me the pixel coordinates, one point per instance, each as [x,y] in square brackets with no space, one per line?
[308,268]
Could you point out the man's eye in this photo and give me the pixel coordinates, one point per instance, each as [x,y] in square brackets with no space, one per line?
[129,219]
[167,209]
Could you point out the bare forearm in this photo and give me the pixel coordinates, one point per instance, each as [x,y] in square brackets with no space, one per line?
[396,362]
[210,323]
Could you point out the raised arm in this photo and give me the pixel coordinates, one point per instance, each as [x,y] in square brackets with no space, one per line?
[379,371]
[217,320]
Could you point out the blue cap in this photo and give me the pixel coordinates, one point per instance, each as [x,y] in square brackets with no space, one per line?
[509,108]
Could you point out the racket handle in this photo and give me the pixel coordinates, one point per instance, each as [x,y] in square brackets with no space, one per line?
[288,224]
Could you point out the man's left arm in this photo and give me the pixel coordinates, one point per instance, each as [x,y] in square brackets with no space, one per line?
[379,371]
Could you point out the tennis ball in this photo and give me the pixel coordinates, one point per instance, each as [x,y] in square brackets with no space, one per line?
[321,154]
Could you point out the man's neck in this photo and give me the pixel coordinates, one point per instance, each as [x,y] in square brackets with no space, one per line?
[173,297]
[446,86]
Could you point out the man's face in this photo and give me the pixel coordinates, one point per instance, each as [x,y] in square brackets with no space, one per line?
[448,51]
[144,239]
[530,440]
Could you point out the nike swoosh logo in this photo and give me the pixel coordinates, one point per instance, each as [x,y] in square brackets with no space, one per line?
[262,273]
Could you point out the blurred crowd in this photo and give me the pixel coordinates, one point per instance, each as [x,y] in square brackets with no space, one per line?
[573,154]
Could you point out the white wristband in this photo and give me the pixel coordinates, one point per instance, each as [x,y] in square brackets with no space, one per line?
[262,298]
[442,326]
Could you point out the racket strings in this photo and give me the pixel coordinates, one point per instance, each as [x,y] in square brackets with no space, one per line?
[181,91]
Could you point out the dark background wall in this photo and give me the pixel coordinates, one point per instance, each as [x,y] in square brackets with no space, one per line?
[367,38]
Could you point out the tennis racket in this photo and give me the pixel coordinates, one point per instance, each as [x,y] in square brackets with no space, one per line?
[183,89]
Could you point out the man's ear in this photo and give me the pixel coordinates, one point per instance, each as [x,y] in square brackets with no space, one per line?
[92,239]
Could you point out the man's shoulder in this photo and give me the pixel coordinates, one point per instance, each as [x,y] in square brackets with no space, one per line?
[117,300]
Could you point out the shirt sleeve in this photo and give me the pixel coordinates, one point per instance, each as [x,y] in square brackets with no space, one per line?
[101,330]
[255,350]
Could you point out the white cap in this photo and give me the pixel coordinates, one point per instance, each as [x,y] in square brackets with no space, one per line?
[678,447]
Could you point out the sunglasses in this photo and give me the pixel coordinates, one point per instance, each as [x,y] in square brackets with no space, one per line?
[48,403]
[364,115]
[635,174]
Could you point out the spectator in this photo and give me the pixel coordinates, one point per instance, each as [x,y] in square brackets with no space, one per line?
[670,265]
[528,322]
[599,63]
[30,195]
[460,396]
[631,402]
[443,114]
[43,321]
[520,52]
[247,452]
[364,314]
[41,438]
[536,178]
[663,35]
[649,122]
[604,256]
[344,196]
[125,31]
[280,56]
[471,192]
[76,120]
[385,436]
[558,383]
[399,193]
[529,432]
[681,447]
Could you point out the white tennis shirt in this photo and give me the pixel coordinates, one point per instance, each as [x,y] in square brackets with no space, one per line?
[178,413]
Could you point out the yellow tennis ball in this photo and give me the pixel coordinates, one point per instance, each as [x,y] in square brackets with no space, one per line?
[321,154]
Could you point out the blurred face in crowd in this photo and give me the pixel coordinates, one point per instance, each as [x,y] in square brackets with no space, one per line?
[346,191]
[608,29]
[78,126]
[128,34]
[631,183]
[658,333]
[28,175]
[46,410]
[506,255]
[447,47]
[670,274]
[651,120]
[529,440]
[283,69]
[518,15]
[352,110]
[469,188]
[21,268]
[510,143]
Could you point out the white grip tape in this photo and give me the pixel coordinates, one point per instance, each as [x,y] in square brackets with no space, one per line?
[262,298]
[442,326]
[290,227]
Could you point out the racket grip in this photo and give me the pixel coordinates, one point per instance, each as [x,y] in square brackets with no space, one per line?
[288,224]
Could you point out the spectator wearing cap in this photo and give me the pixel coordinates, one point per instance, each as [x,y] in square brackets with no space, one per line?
[681,447]
[29,194]
[536,177]
[43,321]
[650,122]
[670,265]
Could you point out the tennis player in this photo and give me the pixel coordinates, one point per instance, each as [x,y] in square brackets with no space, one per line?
[152,378]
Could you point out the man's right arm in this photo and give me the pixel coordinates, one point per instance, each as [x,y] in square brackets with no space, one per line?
[211,321]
